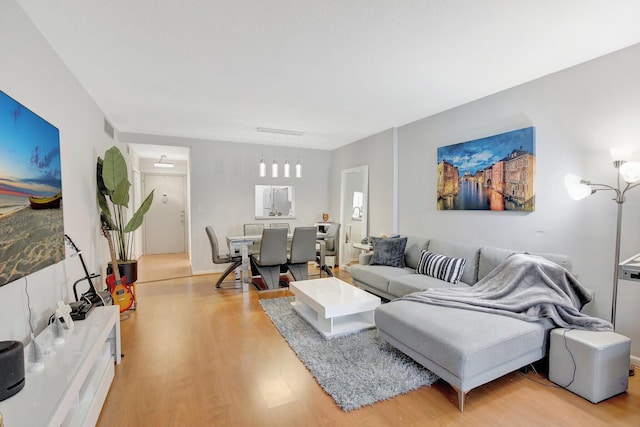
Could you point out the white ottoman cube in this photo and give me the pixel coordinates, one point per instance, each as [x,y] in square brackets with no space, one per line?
[601,362]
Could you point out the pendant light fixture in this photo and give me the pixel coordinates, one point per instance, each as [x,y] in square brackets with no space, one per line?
[298,169]
[298,164]
[287,165]
[262,168]
[274,166]
[287,169]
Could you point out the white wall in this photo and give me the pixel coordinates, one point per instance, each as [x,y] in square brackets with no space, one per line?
[578,114]
[375,151]
[223,176]
[33,74]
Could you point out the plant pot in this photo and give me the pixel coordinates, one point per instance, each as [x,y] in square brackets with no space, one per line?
[128,269]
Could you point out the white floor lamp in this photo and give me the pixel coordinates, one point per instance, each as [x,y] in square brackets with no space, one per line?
[579,188]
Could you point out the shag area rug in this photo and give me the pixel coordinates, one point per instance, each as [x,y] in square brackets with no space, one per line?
[356,370]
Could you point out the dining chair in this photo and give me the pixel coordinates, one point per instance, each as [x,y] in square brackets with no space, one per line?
[253,230]
[235,261]
[273,254]
[331,248]
[281,225]
[303,250]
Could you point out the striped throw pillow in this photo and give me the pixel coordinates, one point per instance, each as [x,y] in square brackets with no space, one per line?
[441,267]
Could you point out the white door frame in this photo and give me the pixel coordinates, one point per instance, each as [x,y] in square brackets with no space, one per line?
[345,212]
[186,206]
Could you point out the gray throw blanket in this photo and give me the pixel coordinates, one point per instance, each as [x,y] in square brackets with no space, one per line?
[526,287]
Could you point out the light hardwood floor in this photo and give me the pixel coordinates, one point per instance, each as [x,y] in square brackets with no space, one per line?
[152,268]
[196,356]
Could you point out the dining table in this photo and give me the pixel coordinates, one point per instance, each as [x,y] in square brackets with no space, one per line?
[239,246]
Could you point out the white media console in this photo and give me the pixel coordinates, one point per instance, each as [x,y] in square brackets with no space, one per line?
[77,374]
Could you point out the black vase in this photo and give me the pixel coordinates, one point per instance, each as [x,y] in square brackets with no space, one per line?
[128,269]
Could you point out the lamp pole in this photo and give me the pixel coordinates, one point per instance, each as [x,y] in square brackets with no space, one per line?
[579,188]
[619,199]
[616,261]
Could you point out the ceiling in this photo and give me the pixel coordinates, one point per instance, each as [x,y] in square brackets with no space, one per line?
[337,70]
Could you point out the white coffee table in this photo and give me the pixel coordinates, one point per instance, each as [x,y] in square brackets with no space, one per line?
[334,307]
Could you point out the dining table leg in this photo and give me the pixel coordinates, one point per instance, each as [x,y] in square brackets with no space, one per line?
[322,250]
[245,268]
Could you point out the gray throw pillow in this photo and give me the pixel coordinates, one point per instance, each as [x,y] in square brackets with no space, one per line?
[388,251]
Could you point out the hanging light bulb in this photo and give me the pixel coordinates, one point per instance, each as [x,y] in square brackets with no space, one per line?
[287,169]
[274,168]
[298,169]
[262,168]
[287,166]
[298,164]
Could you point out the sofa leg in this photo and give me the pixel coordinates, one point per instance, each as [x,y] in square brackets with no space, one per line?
[461,395]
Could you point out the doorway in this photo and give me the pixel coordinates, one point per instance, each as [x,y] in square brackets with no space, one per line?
[165,223]
[354,212]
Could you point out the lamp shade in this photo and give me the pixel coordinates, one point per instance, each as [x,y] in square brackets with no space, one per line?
[630,172]
[298,169]
[262,169]
[274,168]
[287,169]
[576,187]
[620,154]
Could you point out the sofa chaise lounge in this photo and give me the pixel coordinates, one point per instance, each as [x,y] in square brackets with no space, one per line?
[465,348]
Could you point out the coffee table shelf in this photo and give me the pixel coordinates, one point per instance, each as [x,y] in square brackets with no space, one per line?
[334,307]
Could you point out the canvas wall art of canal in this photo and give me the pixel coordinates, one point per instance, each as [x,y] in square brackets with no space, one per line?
[493,173]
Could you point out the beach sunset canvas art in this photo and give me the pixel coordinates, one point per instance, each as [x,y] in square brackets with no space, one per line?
[31,214]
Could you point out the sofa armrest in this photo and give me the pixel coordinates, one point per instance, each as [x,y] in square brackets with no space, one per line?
[365,258]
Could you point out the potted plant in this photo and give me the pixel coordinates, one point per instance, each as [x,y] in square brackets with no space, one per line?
[113,199]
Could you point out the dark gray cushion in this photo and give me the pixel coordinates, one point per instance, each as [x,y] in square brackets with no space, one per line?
[389,251]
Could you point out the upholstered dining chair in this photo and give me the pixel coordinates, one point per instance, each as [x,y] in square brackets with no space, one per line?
[331,248]
[281,225]
[252,229]
[273,254]
[235,261]
[303,250]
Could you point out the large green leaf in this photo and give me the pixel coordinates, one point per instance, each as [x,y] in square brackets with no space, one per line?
[102,203]
[100,181]
[136,220]
[114,169]
[120,196]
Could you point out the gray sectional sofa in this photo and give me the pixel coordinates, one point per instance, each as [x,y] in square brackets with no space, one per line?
[465,348]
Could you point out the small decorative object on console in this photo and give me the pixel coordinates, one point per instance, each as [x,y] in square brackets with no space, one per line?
[64,312]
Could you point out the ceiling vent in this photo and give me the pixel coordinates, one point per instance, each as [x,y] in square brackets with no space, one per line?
[108,129]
